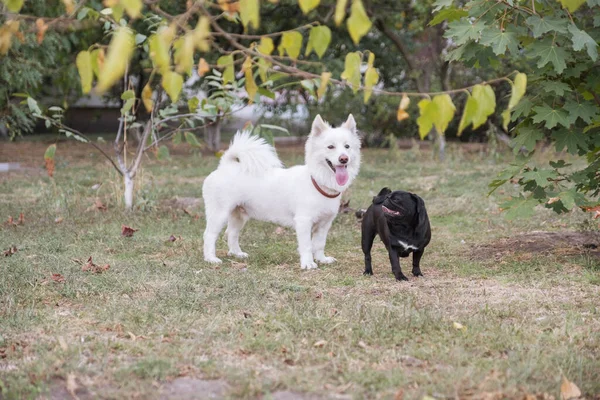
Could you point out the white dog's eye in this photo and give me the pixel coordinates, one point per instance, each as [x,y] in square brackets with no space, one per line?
[347,146]
[331,147]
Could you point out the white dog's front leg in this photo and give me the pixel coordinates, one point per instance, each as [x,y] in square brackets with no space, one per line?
[303,231]
[318,241]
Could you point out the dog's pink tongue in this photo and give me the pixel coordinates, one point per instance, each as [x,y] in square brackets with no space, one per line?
[341,175]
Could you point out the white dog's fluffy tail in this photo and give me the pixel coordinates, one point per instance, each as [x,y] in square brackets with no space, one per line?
[252,153]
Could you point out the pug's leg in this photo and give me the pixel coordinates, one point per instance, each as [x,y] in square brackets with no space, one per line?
[416,269]
[368,235]
[395,260]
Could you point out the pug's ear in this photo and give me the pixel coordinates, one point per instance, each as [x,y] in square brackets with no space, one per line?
[380,198]
[319,126]
[422,220]
[350,124]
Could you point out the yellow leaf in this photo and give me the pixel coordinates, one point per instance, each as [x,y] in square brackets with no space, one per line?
[340,11]
[318,39]
[405,102]
[132,7]
[172,82]
[291,43]
[358,23]
[184,54]
[307,5]
[505,119]
[203,67]
[147,98]
[445,112]
[229,71]
[202,34]
[486,104]
[263,68]
[458,326]
[120,51]
[569,390]
[251,87]
[6,33]
[97,58]
[14,5]
[402,115]
[159,44]
[352,70]
[371,79]
[117,12]
[572,5]
[371,59]
[468,114]
[110,3]
[86,72]
[427,114]
[325,77]
[250,13]
[41,26]
[69,6]
[518,90]
[320,343]
[266,45]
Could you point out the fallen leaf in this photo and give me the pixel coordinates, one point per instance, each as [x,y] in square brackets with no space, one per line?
[63,343]
[399,395]
[289,361]
[98,205]
[552,200]
[96,269]
[362,344]
[247,314]
[320,343]
[458,326]
[11,250]
[279,230]
[568,390]
[58,220]
[58,278]
[42,27]
[172,238]
[132,336]
[127,231]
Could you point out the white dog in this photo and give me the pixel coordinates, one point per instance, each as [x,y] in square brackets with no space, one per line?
[250,182]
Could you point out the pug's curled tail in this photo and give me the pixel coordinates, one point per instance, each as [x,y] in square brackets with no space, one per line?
[251,153]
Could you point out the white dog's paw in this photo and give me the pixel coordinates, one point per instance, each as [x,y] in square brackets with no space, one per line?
[309,265]
[326,260]
[213,260]
[239,254]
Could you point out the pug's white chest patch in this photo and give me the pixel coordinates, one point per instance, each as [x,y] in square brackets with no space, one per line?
[406,245]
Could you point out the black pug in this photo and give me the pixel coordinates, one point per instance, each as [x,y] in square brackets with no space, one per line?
[402,223]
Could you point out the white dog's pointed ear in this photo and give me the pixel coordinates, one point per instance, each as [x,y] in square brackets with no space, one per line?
[318,126]
[350,124]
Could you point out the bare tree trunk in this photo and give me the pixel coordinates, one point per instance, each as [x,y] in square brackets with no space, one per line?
[212,135]
[128,191]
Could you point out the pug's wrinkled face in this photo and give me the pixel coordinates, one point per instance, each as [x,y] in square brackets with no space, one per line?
[400,205]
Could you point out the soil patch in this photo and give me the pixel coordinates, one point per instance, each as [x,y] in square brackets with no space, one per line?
[565,243]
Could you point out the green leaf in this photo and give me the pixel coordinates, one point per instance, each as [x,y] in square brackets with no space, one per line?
[468,114]
[522,109]
[291,43]
[193,104]
[191,139]
[162,153]
[449,14]
[318,39]
[585,110]
[518,90]
[427,116]
[33,106]
[571,5]
[500,40]
[519,207]
[172,82]
[177,138]
[352,70]
[14,6]
[526,137]
[340,11]
[555,86]
[439,4]
[86,73]
[229,71]
[548,52]
[445,110]
[581,39]
[359,23]
[463,31]
[486,104]
[50,151]
[539,176]
[551,117]
[250,13]
[307,5]
[572,139]
[539,26]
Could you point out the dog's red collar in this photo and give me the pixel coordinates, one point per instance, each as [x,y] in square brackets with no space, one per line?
[324,193]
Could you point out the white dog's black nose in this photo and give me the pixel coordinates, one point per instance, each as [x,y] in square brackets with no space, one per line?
[343,159]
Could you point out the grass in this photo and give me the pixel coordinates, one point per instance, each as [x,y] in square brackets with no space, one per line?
[264,325]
